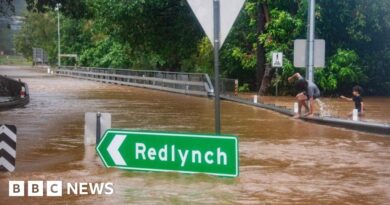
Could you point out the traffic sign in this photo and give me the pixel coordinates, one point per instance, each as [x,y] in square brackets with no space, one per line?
[7,147]
[300,55]
[170,152]
[277,59]
[203,10]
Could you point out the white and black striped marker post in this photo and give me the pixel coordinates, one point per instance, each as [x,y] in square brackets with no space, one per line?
[7,147]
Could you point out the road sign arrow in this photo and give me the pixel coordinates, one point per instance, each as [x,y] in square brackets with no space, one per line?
[170,152]
[113,150]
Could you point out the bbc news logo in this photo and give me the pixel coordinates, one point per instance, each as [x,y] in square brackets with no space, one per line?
[55,188]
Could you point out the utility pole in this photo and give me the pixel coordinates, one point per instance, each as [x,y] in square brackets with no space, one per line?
[217,27]
[310,40]
[58,6]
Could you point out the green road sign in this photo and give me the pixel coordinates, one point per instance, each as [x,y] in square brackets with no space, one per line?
[170,152]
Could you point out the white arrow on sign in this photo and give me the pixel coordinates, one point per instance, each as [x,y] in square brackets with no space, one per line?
[203,10]
[113,149]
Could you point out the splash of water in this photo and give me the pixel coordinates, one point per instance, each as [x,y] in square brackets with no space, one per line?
[325,111]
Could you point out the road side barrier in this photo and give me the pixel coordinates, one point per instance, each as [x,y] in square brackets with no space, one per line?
[370,127]
[355,115]
[255,99]
[295,108]
[7,147]
[185,83]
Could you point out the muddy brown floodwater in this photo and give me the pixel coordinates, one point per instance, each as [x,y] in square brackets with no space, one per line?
[377,109]
[282,160]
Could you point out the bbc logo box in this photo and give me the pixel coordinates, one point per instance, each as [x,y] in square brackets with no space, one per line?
[57,188]
[35,188]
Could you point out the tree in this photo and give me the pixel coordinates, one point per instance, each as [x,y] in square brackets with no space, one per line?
[163,31]
[34,34]
[362,27]
[342,73]
[270,26]
[6,7]
[74,9]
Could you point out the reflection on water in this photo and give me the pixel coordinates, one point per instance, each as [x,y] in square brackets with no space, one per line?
[283,160]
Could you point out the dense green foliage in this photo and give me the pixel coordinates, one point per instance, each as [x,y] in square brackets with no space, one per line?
[164,35]
[342,73]
[6,7]
[37,32]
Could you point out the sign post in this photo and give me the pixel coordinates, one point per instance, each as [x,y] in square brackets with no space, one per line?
[95,126]
[223,13]
[277,62]
[170,152]
[217,103]
[57,8]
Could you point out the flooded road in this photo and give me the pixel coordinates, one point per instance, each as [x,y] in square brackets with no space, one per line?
[376,108]
[282,160]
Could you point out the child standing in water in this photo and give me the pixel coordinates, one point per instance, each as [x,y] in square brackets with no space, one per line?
[357,99]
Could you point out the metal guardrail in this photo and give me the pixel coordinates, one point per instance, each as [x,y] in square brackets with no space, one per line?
[185,83]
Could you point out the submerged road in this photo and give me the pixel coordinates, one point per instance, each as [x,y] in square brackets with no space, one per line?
[282,160]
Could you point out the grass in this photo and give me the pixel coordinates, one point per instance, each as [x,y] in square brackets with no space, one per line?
[13,60]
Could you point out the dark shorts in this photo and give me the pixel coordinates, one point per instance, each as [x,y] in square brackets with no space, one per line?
[314,97]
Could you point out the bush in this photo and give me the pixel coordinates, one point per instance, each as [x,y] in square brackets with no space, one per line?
[244,88]
[342,73]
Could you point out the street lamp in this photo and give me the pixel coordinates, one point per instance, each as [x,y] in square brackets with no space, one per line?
[57,8]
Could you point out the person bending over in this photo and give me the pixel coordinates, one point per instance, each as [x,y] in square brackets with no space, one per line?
[308,92]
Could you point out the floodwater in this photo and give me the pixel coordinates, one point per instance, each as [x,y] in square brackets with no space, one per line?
[377,109]
[282,160]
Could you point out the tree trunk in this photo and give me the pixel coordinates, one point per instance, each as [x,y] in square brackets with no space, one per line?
[266,81]
[260,50]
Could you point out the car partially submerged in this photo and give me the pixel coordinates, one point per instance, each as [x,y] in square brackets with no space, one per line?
[13,93]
